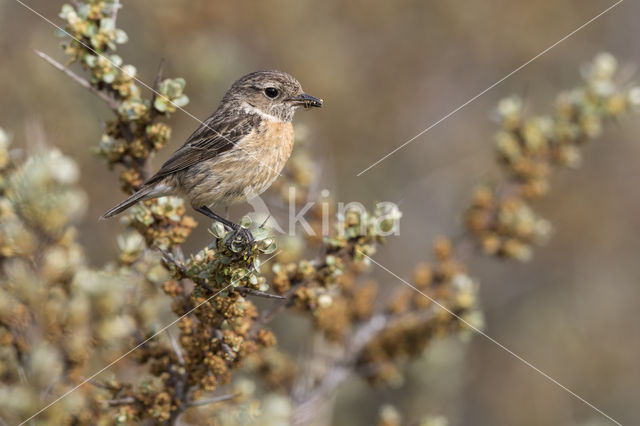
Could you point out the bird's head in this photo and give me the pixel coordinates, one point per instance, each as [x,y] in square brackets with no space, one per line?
[274,95]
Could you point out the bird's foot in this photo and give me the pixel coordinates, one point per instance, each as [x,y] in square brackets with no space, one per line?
[240,239]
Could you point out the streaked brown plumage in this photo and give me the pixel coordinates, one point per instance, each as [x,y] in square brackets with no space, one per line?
[236,153]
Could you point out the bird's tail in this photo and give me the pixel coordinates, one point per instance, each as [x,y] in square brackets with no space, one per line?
[142,194]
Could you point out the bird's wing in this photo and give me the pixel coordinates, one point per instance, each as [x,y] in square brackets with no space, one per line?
[212,138]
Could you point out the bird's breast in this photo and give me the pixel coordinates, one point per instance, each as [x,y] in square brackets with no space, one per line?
[267,147]
[272,144]
[244,171]
[267,152]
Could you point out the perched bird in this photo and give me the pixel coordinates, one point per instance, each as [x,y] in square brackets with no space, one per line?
[237,152]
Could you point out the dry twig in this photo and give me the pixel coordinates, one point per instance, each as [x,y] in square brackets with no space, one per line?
[109,100]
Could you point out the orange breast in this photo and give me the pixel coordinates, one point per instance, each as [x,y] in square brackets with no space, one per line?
[268,152]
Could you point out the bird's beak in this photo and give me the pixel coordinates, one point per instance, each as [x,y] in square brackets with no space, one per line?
[308,101]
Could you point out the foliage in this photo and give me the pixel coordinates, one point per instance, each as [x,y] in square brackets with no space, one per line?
[500,218]
[61,320]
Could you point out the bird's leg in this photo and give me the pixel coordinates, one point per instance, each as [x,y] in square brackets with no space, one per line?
[209,213]
[237,229]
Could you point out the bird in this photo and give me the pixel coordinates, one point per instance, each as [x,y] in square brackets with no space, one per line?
[236,153]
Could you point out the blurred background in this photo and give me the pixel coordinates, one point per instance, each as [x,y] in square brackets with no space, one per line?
[387,70]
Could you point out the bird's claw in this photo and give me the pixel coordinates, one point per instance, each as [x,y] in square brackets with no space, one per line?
[246,238]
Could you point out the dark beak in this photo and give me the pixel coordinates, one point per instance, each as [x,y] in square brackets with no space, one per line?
[308,101]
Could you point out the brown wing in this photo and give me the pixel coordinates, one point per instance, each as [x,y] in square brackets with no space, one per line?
[213,137]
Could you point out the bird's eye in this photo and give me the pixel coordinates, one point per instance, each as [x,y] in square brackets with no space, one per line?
[271,92]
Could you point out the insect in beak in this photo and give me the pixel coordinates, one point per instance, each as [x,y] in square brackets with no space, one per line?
[308,101]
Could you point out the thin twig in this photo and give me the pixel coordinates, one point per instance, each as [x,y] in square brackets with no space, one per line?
[201,402]
[123,401]
[101,385]
[343,366]
[246,290]
[180,254]
[114,15]
[223,345]
[176,348]
[145,164]
[170,259]
[156,86]
[270,313]
[109,100]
